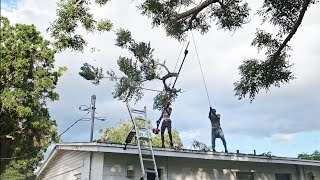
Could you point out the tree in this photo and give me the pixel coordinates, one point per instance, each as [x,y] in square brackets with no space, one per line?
[179,16]
[27,81]
[313,156]
[200,146]
[119,134]
[137,70]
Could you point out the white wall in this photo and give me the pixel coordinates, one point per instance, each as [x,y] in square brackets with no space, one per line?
[65,165]
[115,168]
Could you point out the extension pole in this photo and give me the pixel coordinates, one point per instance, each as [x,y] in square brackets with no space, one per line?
[170,94]
[185,55]
[93,108]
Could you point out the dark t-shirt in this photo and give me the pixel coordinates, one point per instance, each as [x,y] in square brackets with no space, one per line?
[215,120]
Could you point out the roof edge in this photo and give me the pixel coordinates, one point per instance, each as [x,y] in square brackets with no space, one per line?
[43,165]
[116,148]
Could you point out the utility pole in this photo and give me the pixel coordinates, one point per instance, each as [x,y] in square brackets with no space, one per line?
[93,109]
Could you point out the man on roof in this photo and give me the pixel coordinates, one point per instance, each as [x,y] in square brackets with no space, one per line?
[166,123]
[216,130]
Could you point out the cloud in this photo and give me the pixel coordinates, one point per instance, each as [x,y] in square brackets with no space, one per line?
[283,137]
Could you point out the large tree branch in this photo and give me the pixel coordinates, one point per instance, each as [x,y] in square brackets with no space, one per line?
[292,32]
[195,10]
[191,19]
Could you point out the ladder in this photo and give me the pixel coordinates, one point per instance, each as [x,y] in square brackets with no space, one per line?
[143,139]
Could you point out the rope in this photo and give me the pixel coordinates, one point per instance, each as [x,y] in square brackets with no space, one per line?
[204,82]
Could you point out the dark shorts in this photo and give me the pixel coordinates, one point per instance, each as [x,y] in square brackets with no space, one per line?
[165,124]
[217,133]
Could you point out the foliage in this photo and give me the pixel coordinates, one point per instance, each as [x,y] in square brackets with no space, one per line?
[91,73]
[160,100]
[143,67]
[200,146]
[119,134]
[27,80]
[179,16]
[313,156]
[228,15]
[268,154]
[71,14]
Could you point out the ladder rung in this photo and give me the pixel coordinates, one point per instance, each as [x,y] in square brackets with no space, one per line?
[140,119]
[137,111]
[150,171]
[144,129]
[146,152]
[143,138]
[147,159]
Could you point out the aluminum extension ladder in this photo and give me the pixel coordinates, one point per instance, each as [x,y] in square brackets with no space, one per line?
[142,133]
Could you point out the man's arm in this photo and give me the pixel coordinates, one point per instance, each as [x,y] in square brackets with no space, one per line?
[210,112]
[161,116]
[158,122]
[168,110]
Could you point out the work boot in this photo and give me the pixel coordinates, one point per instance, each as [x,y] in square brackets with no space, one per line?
[213,150]
[226,151]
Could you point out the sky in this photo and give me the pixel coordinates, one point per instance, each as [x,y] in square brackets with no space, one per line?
[283,121]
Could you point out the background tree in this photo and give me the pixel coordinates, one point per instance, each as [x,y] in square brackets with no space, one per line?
[313,156]
[179,16]
[200,146]
[27,81]
[119,134]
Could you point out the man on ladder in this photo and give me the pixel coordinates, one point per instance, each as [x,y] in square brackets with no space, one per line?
[166,123]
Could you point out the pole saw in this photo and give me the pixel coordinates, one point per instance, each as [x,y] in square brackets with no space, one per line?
[171,91]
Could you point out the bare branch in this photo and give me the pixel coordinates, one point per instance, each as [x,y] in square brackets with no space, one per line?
[164,67]
[292,32]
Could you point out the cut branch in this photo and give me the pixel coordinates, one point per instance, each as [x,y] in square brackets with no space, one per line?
[195,10]
[292,32]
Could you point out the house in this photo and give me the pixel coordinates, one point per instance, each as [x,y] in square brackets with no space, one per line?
[71,161]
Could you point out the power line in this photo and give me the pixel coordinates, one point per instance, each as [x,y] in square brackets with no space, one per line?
[204,82]
[24,155]
[73,124]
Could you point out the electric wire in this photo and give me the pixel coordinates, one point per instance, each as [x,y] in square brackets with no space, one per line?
[74,123]
[24,155]
[204,82]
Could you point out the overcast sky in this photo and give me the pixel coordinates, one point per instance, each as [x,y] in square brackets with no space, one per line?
[284,120]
